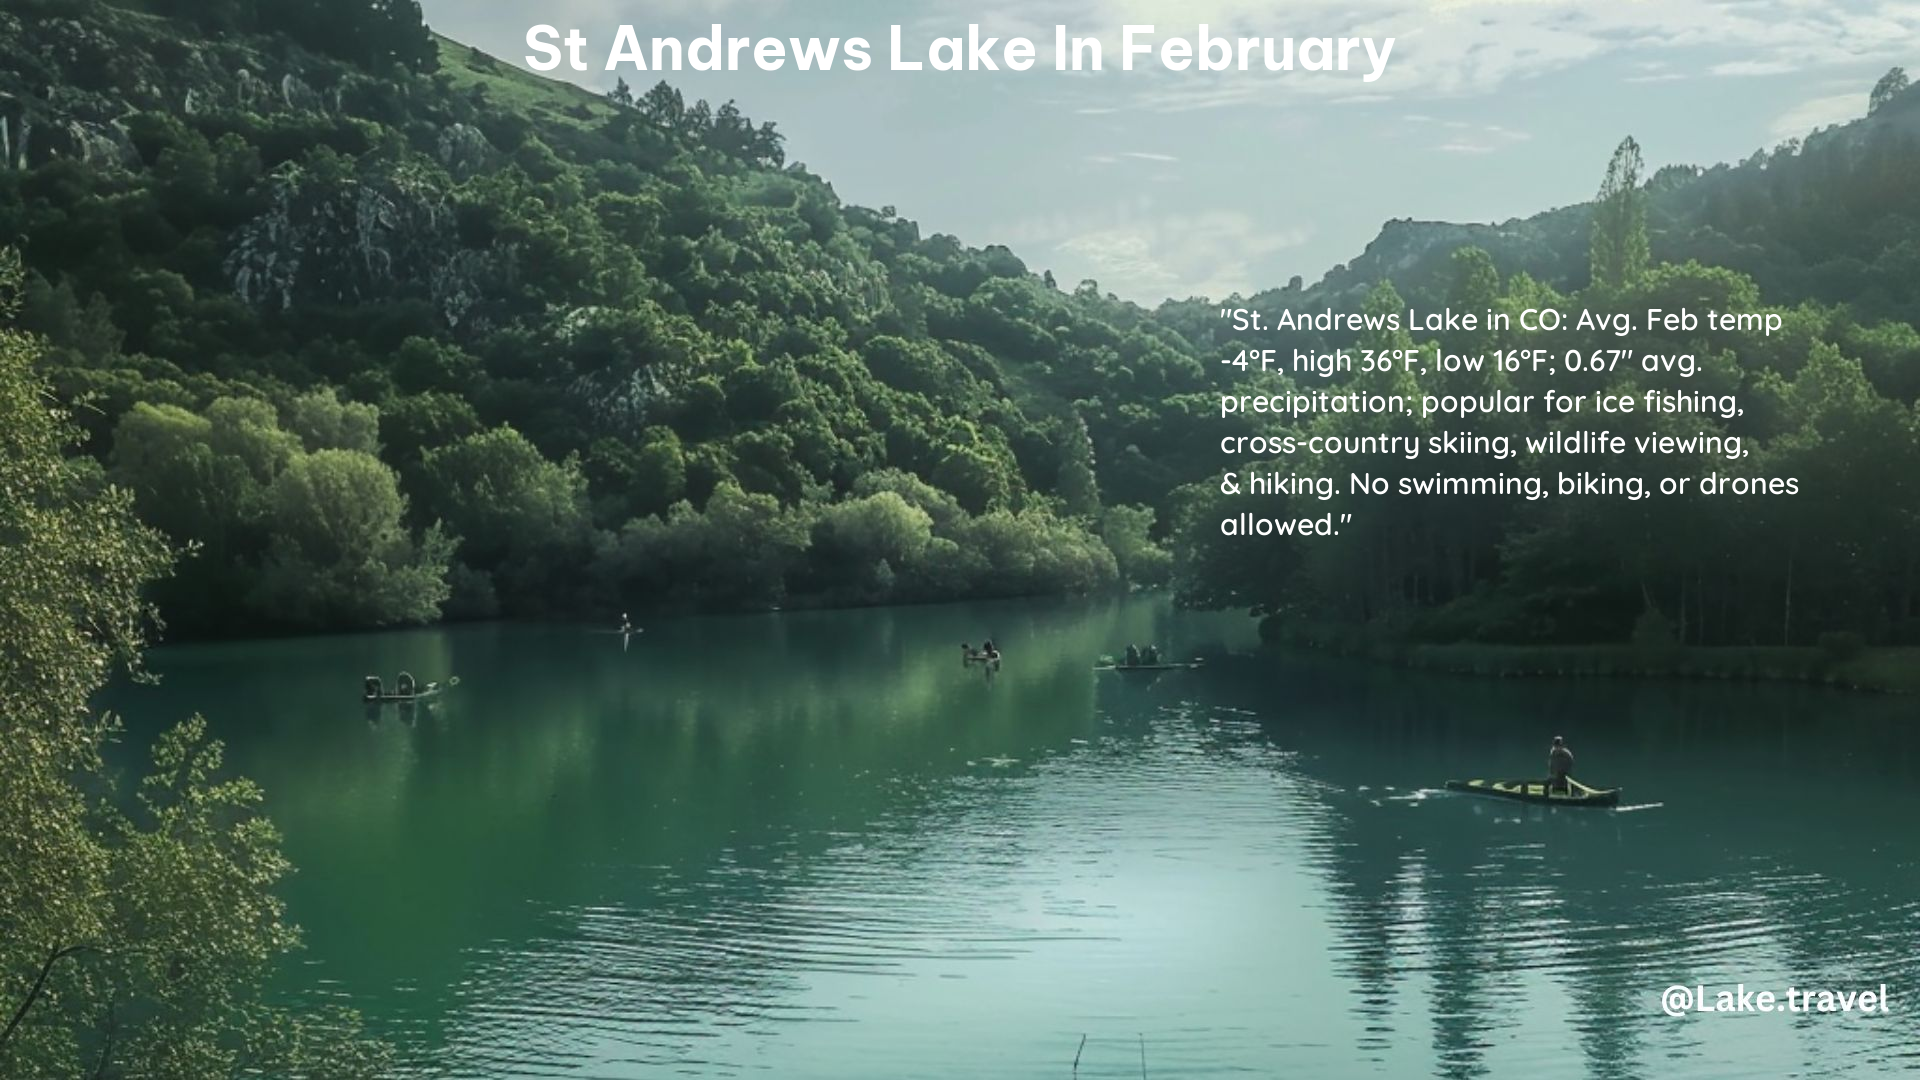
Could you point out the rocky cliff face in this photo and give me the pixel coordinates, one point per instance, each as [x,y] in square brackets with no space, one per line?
[68,84]
[71,86]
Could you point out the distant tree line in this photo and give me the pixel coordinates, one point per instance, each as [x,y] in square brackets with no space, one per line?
[725,129]
[1829,400]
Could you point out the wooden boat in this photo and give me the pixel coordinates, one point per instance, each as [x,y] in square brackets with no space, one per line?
[982,658]
[425,693]
[1535,791]
[1180,665]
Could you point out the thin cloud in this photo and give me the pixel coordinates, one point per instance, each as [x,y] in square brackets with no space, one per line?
[1470,48]
[1466,137]
[1739,68]
[1133,249]
[1818,113]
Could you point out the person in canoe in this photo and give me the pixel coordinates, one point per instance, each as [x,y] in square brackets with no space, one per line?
[1151,656]
[1133,656]
[405,685]
[1559,765]
[989,652]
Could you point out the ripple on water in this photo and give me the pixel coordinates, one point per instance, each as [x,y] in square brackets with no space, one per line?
[1185,877]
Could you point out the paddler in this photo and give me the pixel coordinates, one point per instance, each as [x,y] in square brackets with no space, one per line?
[1559,765]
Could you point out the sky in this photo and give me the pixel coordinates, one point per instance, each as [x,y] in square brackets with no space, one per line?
[1172,185]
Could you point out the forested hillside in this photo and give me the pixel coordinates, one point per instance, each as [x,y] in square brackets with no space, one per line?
[1800,524]
[390,333]
[1831,216]
[384,330]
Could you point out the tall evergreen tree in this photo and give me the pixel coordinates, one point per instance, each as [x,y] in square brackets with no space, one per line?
[1618,251]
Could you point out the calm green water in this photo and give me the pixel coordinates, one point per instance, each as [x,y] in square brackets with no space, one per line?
[814,845]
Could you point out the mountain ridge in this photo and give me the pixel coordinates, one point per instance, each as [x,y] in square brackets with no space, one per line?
[1550,245]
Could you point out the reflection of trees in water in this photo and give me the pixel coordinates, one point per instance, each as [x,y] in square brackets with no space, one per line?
[1462,928]
[625,855]
[1374,871]
[665,843]
[1507,910]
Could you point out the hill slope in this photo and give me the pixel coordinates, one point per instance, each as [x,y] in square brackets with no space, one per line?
[392,331]
[543,321]
[1825,218]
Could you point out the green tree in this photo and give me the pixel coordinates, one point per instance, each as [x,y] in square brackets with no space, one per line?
[135,943]
[1128,533]
[1618,250]
[659,472]
[975,477]
[879,527]
[322,421]
[1474,289]
[1891,85]
[341,555]
[522,521]
[422,364]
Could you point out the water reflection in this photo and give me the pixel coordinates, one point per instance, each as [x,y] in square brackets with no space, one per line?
[818,845]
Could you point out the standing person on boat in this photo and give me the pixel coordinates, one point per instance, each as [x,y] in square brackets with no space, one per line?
[1559,765]
[404,684]
[989,651]
[1133,656]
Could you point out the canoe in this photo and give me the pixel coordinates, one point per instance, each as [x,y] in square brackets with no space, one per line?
[426,693]
[1535,791]
[1184,665]
[979,659]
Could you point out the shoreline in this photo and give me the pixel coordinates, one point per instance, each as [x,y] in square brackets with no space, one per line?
[641,617]
[1879,670]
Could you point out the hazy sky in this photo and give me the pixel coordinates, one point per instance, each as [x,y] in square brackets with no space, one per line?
[1160,184]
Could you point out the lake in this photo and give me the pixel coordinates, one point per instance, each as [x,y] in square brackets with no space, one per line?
[818,845]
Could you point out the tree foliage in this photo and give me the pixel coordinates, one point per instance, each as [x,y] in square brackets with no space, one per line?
[594,339]
[552,334]
[1891,86]
[1748,568]
[135,940]
[1619,246]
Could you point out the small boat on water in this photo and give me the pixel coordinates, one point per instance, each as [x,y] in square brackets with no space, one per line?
[1535,791]
[405,691]
[990,654]
[1179,665]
